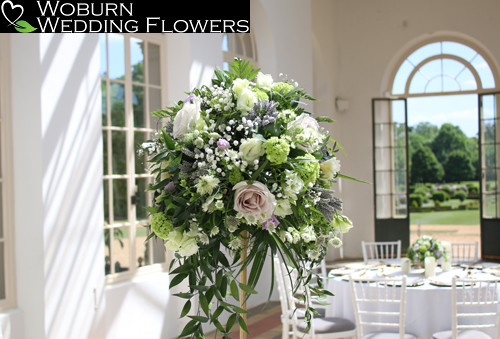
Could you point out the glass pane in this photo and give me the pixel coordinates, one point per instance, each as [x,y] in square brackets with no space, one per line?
[105,187]
[140,160]
[383,182]
[104,50]
[488,107]
[489,135]
[431,69]
[485,74]
[490,156]
[399,158]
[490,209]
[141,198]
[104,103]
[424,52]
[455,48]
[434,85]
[120,249]
[399,135]
[2,271]
[120,197]
[450,85]
[384,206]
[154,104]
[138,106]
[116,45]
[137,59]
[107,250]
[467,80]
[105,153]
[382,135]
[400,203]
[117,99]
[490,180]
[224,43]
[452,67]
[119,152]
[401,77]
[143,252]
[398,111]
[400,182]
[247,42]
[418,83]
[154,71]
[383,159]
[382,112]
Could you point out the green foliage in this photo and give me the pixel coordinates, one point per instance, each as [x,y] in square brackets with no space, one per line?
[425,167]
[458,166]
[439,196]
[416,200]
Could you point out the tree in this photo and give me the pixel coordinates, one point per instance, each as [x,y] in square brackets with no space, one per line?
[425,166]
[449,138]
[458,167]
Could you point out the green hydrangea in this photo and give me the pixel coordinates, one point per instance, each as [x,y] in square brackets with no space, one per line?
[160,225]
[235,176]
[277,150]
[260,94]
[308,170]
[282,87]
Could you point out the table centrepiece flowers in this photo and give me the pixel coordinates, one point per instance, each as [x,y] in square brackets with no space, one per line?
[242,172]
[424,247]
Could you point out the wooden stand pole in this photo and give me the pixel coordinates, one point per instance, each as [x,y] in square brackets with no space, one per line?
[243,280]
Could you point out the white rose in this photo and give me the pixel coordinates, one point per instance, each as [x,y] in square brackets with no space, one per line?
[188,246]
[173,240]
[330,167]
[246,100]
[305,129]
[239,85]
[252,149]
[264,81]
[187,118]
[254,201]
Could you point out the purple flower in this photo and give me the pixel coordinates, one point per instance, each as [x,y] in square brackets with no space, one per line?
[170,187]
[222,144]
[271,219]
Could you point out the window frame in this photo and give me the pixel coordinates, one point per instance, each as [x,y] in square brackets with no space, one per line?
[6,178]
[131,176]
[229,55]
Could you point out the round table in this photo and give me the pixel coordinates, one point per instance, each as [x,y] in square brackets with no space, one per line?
[428,301]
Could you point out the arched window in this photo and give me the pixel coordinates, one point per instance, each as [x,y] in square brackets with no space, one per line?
[240,45]
[441,67]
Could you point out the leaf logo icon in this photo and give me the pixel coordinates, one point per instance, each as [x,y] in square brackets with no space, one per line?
[16,11]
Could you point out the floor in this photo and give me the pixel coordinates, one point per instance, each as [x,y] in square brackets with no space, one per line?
[262,323]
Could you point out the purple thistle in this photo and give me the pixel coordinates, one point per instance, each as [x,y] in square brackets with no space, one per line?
[170,187]
[271,219]
[189,98]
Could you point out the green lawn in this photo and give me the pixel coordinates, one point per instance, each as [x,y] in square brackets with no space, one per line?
[465,217]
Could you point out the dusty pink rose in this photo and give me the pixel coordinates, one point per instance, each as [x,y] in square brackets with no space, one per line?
[255,202]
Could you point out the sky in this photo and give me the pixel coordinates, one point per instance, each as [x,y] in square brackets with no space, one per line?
[459,110]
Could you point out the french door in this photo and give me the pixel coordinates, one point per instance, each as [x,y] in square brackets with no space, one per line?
[489,150]
[390,164]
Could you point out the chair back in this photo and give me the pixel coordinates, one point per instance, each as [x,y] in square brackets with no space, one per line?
[379,304]
[475,305]
[380,250]
[285,308]
[464,253]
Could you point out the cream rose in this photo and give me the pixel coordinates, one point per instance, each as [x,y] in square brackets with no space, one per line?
[264,81]
[173,240]
[254,200]
[188,246]
[239,85]
[187,118]
[252,149]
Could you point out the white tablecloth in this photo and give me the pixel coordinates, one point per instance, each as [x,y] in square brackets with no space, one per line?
[428,307]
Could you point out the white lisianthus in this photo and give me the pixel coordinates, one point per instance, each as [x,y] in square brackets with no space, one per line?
[264,81]
[173,240]
[239,85]
[306,131]
[283,208]
[214,231]
[254,201]
[188,246]
[252,149]
[336,242]
[246,100]
[342,223]
[294,184]
[187,118]
[206,184]
[330,168]
[204,238]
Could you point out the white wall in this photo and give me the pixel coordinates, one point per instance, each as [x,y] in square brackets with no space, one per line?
[368,37]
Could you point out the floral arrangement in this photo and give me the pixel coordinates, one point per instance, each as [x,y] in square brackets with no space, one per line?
[242,172]
[424,247]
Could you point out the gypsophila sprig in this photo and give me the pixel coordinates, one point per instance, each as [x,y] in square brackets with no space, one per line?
[240,165]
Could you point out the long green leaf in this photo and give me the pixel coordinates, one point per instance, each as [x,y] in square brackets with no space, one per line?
[234,290]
